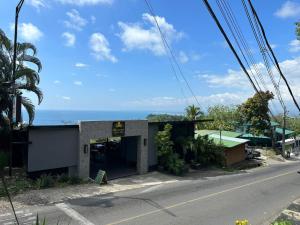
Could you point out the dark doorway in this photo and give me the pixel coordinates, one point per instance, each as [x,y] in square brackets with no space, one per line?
[116,156]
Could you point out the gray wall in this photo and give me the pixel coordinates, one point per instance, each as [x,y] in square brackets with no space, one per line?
[101,129]
[152,149]
[52,147]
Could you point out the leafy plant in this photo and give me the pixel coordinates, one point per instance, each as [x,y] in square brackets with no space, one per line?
[38,222]
[175,165]
[164,144]
[74,180]
[63,178]
[207,152]
[282,222]
[4,159]
[45,181]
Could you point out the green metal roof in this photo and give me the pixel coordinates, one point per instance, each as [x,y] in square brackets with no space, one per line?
[287,132]
[226,141]
[247,135]
[223,132]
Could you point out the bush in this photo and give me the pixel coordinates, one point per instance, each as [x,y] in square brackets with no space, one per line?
[282,222]
[63,178]
[4,160]
[208,153]
[45,181]
[74,180]
[175,165]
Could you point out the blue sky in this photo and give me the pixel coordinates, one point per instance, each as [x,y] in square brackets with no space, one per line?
[108,55]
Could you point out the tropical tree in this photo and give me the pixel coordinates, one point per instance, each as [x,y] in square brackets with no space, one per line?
[26,77]
[298,30]
[255,112]
[224,117]
[193,112]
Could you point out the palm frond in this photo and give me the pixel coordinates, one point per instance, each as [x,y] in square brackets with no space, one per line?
[30,75]
[23,47]
[5,41]
[26,102]
[33,60]
[33,89]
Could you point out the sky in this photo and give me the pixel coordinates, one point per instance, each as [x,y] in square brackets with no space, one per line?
[108,54]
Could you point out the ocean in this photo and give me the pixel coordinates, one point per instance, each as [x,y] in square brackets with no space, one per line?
[59,117]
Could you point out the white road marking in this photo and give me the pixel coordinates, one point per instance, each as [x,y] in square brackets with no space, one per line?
[151,188]
[202,198]
[73,214]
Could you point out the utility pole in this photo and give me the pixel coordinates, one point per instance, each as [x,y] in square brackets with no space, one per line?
[13,110]
[283,132]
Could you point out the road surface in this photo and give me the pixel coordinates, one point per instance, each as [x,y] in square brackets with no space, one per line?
[258,195]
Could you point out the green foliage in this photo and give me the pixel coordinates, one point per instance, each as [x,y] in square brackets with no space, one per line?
[63,178]
[45,181]
[26,78]
[4,160]
[225,118]
[193,112]
[255,112]
[167,158]
[283,222]
[298,30]
[164,144]
[175,165]
[74,180]
[38,222]
[165,117]
[207,152]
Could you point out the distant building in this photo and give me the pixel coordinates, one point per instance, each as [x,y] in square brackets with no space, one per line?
[234,146]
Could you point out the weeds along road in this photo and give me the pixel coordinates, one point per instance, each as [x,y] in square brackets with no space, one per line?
[258,195]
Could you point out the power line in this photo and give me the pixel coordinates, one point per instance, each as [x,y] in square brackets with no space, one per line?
[263,50]
[169,49]
[211,12]
[273,55]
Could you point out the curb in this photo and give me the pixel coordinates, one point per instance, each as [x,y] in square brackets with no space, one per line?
[291,213]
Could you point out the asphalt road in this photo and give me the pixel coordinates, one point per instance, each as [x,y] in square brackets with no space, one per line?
[258,195]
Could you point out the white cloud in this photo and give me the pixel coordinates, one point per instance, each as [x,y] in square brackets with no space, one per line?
[38,4]
[135,36]
[29,32]
[75,21]
[86,2]
[81,65]
[237,80]
[294,46]
[111,90]
[77,82]
[289,9]
[100,48]
[101,75]
[205,101]
[273,46]
[70,39]
[56,82]
[66,98]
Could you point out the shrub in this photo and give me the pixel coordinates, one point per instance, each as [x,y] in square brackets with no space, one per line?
[45,181]
[207,152]
[169,160]
[4,160]
[282,222]
[175,165]
[63,178]
[74,180]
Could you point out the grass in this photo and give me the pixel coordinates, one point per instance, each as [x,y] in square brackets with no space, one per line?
[282,222]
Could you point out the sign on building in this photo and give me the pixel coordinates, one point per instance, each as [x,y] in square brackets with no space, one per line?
[118,129]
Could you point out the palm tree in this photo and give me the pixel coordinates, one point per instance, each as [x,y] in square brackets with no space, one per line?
[193,112]
[26,79]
